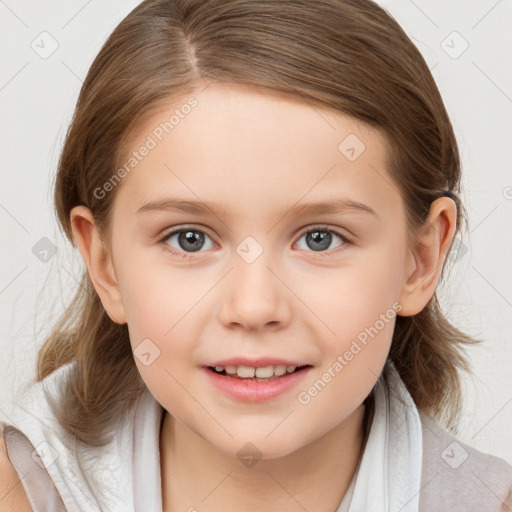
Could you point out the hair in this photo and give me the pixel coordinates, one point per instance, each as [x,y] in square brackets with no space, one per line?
[347,55]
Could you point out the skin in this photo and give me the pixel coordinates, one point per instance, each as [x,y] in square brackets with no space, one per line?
[12,493]
[258,154]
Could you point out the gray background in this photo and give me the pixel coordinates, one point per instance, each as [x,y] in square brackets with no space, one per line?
[47,48]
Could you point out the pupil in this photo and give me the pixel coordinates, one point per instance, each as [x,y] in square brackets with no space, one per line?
[322,238]
[316,240]
[194,238]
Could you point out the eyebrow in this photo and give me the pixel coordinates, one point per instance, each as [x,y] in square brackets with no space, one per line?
[314,208]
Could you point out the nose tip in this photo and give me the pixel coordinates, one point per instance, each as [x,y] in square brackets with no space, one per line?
[253,296]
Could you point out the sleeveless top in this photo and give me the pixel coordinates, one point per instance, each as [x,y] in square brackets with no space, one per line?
[409,464]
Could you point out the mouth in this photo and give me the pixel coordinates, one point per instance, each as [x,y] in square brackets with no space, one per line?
[251,374]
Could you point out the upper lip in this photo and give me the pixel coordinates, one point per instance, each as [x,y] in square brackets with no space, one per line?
[260,362]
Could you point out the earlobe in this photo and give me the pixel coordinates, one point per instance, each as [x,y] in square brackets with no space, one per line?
[98,261]
[425,262]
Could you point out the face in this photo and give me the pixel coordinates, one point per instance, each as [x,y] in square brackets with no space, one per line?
[251,271]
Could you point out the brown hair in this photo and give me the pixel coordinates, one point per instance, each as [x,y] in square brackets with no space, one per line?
[349,55]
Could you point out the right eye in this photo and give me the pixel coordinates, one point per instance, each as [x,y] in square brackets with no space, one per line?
[182,242]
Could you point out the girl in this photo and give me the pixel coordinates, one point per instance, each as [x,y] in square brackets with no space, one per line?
[294,356]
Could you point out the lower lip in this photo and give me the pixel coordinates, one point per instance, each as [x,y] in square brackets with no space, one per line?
[255,391]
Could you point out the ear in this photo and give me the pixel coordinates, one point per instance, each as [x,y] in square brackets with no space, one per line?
[425,261]
[99,263]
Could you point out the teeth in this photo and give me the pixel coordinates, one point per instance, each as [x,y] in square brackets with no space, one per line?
[245,371]
[265,372]
[280,370]
[249,372]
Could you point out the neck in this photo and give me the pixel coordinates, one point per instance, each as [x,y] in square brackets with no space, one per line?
[195,475]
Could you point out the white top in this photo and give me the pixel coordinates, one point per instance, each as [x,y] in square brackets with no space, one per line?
[389,475]
[61,474]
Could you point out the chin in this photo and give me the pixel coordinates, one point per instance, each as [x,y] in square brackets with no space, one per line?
[251,449]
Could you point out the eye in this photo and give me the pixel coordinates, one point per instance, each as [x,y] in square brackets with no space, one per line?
[185,240]
[320,238]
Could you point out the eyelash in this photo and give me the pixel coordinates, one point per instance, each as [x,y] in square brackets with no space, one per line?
[187,256]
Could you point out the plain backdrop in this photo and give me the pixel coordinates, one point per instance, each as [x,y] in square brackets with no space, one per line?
[47,48]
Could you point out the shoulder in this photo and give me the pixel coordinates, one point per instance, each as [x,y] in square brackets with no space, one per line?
[459,475]
[12,493]
[23,425]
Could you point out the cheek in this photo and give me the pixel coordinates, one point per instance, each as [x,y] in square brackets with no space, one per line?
[357,306]
[162,307]
[155,297]
[160,317]
[355,295]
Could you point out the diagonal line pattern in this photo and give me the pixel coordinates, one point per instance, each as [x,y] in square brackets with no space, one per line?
[486,14]
[206,293]
[76,14]
[424,13]
[198,403]
[382,176]
[291,495]
[300,300]
[220,220]
[216,487]
[12,280]
[491,80]
[487,281]
[323,118]
[13,13]
[14,218]
[13,487]
[419,493]
[497,497]
[280,423]
[77,281]
[486,424]
[72,71]
[11,421]
[300,198]
[426,277]
[485,218]
[14,76]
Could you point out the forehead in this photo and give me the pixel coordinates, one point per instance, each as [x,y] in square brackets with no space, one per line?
[239,147]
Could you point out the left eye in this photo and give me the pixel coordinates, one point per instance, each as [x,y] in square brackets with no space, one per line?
[189,240]
[320,239]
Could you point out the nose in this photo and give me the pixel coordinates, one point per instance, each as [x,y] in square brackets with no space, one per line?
[254,297]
